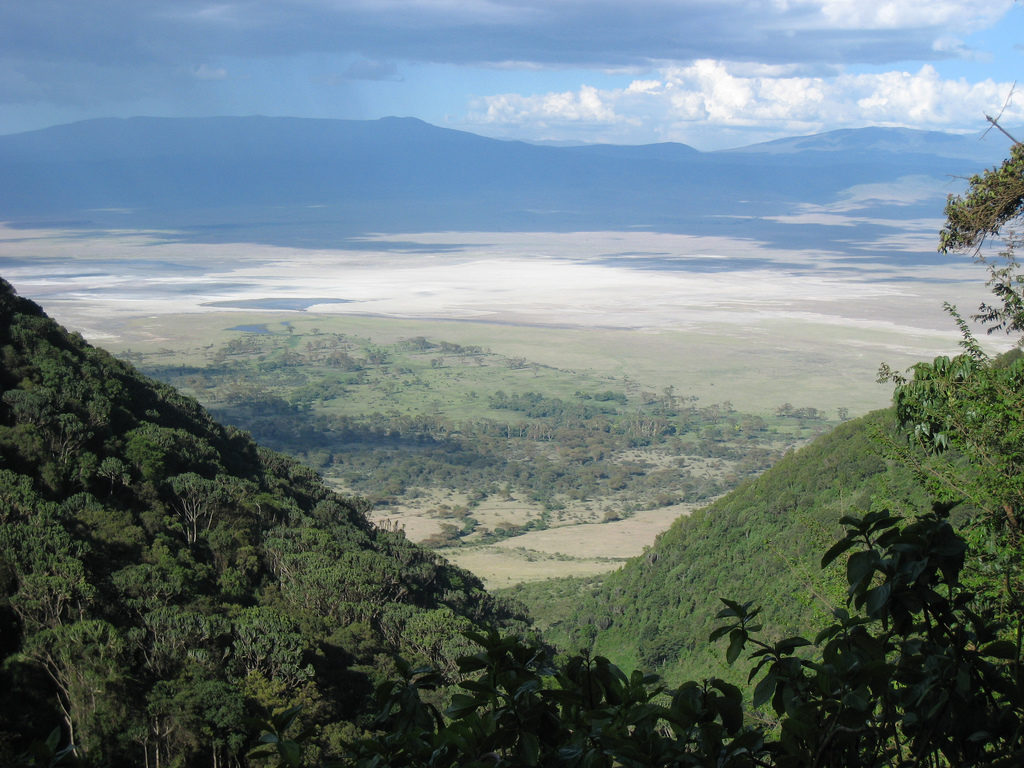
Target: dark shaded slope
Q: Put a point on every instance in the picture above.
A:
(760, 542)
(162, 577)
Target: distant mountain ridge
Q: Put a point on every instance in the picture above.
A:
(875, 139)
(324, 180)
(160, 133)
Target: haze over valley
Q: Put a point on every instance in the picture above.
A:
(809, 251)
(709, 275)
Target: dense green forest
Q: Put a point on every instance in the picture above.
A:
(164, 579)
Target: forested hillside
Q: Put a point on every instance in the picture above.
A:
(163, 579)
(761, 542)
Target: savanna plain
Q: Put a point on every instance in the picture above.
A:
(532, 405)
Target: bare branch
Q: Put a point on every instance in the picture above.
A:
(995, 120)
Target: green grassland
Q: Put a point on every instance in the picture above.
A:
(757, 367)
(477, 445)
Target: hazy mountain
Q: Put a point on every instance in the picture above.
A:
(316, 182)
(886, 141)
(665, 151)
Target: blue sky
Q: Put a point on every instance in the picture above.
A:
(711, 73)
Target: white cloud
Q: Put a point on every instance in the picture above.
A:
(716, 93)
(587, 104)
(644, 86)
(903, 14)
(923, 99)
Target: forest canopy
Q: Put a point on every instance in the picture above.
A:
(164, 580)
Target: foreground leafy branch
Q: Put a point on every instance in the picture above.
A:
(994, 198)
(911, 676)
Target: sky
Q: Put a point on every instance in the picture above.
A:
(709, 73)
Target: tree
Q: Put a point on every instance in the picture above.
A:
(195, 500)
(915, 677)
(85, 661)
(114, 470)
(994, 200)
(993, 205)
(48, 562)
(971, 406)
(907, 675)
(146, 650)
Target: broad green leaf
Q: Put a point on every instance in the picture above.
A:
(764, 689)
(860, 567)
(836, 550)
(790, 644)
(1000, 649)
(529, 745)
(719, 632)
(877, 599)
(737, 640)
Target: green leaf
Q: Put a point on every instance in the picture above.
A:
(285, 719)
(836, 550)
(529, 746)
(728, 690)
(530, 686)
(731, 711)
(719, 632)
(732, 609)
(472, 663)
(764, 689)
(877, 599)
(860, 567)
(856, 701)
(291, 753)
(1000, 649)
(737, 639)
(790, 644)
(461, 706)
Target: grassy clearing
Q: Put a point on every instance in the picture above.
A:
(757, 368)
(500, 567)
(576, 549)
